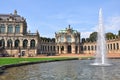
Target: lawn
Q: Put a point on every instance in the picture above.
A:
(6, 61)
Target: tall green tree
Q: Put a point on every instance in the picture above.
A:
(93, 36)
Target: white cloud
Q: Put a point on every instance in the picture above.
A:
(113, 24)
(85, 34)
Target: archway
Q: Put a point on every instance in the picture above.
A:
(9, 43)
(17, 43)
(69, 48)
(25, 43)
(2, 43)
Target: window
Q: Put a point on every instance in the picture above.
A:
(9, 43)
(32, 44)
(117, 46)
(92, 48)
(111, 46)
(85, 48)
(2, 43)
(114, 46)
(17, 43)
(10, 29)
(88, 47)
(2, 28)
(25, 43)
(62, 38)
(68, 38)
(17, 29)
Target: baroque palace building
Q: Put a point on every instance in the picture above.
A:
(14, 37)
(67, 41)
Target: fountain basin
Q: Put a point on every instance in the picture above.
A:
(100, 64)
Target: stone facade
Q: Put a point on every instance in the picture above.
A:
(113, 46)
(67, 41)
(14, 37)
(47, 47)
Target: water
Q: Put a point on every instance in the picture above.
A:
(101, 44)
(66, 70)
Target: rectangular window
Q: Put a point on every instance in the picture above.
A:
(17, 29)
(2, 29)
(68, 38)
(10, 29)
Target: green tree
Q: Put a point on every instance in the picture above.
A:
(110, 35)
(93, 36)
(119, 33)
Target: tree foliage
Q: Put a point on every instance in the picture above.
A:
(93, 36)
(110, 35)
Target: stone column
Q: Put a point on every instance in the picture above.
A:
(56, 49)
(14, 28)
(59, 49)
(73, 48)
(65, 39)
(5, 42)
(21, 43)
(65, 49)
(13, 43)
(28, 43)
(78, 49)
(6, 28)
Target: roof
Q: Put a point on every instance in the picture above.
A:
(7, 17)
(69, 29)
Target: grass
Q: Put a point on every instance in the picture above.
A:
(6, 61)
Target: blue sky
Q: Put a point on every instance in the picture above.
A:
(50, 16)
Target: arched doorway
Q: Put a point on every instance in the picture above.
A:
(17, 42)
(69, 48)
(32, 43)
(62, 49)
(2, 43)
(25, 43)
(76, 49)
(9, 43)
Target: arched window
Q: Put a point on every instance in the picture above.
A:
(85, 48)
(17, 29)
(25, 43)
(9, 43)
(117, 46)
(10, 29)
(54, 48)
(81, 48)
(32, 43)
(92, 48)
(111, 46)
(114, 46)
(108, 46)
(58, 48)
(2, 43)
(51, 48)
(62, 48)
(17, 43)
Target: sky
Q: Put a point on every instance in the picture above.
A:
(50, 16)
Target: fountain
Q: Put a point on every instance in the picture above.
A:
(101, 44)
